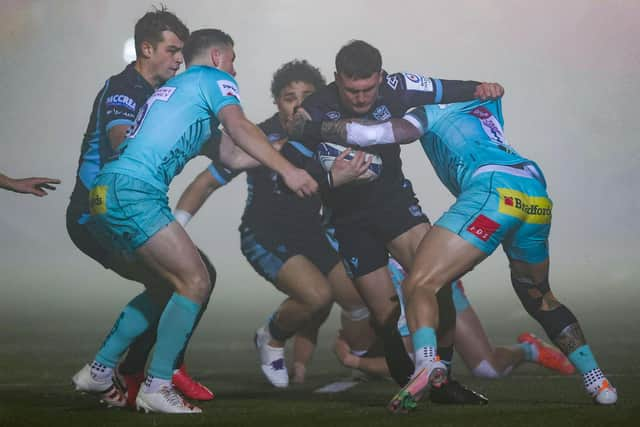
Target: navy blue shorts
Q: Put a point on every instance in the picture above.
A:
(268, 250)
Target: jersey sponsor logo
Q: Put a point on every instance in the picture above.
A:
(491, 126)
(120, 100)
(162, 94)
(333, 115)
(273, 137)
(483, 227)
(98, 200)
(229, 88)
(530, 209)
(415, 210)
(381, 113)
(392, 81)
(417, 82)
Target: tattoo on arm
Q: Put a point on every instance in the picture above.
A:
(570, 339)
(335, 131)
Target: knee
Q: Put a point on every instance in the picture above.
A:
(320, 299)
(423, 281)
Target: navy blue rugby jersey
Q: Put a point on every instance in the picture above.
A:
(397, 94)
(270, 203)
(117, 103)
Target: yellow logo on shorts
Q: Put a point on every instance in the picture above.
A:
(531, 209)
(98, 200)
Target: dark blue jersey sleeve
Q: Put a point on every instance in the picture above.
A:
(413, 90)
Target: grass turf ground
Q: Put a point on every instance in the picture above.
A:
(37, 360)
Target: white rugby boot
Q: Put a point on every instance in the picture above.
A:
(165, 400)
(601, 390)
(87, 380)
(271, 359)
(433, 374)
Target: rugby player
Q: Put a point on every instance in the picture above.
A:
(383, 216)
(501, 198)
(282, 236)
(130, 213)
(470, 341)
(159, 36)
(36, 186)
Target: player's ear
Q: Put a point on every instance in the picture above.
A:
(215, 56)
(146, 48)
(380, 77)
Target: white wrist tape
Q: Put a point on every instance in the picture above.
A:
(182, 217)
(364, 136)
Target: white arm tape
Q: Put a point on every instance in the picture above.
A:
(182, 217)
(364, 136)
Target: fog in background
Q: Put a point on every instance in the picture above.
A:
(570, 70)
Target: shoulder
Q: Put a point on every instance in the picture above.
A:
(273, 128)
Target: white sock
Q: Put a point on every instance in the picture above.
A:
(424, 356)
(100, 371)
(153, 384)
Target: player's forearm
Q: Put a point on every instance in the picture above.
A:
(197, 193)
(6, 182)
(368, 132)
(235, 157)
(458, 91)
(253, 141)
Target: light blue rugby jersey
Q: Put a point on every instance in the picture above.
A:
(461, 137)
(173, 125)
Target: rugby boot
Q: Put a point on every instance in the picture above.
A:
(433, 375)
(86, 381)
(454, 393)
(130, 384)
(190, 388)
(600, 389)
(548, 356)
(271, 360)
(166, 400)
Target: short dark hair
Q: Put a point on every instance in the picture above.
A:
(149, 28)
(296, 71)
(358, 59)
(203, 39)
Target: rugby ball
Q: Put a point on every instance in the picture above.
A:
(327, 153)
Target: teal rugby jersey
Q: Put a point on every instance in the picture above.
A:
(174, 124)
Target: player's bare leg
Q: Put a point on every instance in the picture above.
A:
(441, 258)
(531, 283)
(309, 293)
(172, 254)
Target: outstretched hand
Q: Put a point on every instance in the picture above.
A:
(36, 186)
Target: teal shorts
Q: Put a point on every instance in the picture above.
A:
(126, 212)
(504, 204)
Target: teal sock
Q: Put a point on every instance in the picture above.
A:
(530, 351)
(174, 328)
(133, 321)
(583, 359)
(424, 337)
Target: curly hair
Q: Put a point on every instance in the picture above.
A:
(296, 71)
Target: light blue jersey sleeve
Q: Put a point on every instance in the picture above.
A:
(219, 90)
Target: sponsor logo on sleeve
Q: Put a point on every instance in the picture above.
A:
(417, 82)
(229, 88)
(120, 100)
(333, 115)
(381, 113)
(392, 81)
(530, 209)
(98, 200)
(483, 227)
